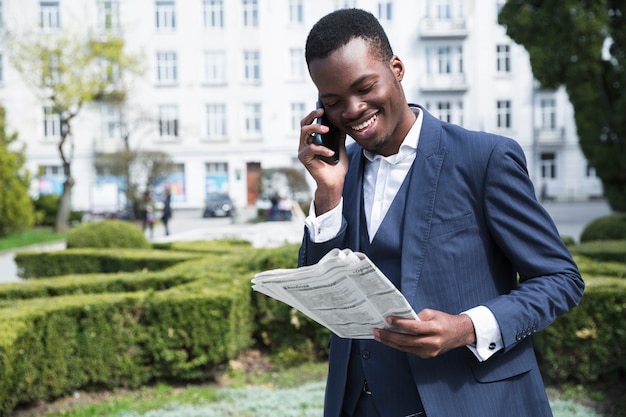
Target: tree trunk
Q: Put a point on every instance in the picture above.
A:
(63, 213)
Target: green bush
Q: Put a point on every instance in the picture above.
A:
(46, 208)
(107, 234)
(611, 227)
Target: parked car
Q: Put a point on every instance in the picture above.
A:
(218, 205)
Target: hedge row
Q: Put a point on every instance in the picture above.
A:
(33, 264)
(56, 337)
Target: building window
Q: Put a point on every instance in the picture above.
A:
(216, 177)
(298, 111)
(165, 15)
(213, 12)
(51, 123)
(503, 114)
(548, 113)
(110, 71)
(503, 58)
(215, 67)
(444, 111)
(590, 172)
(548, 165)
(499, 5)
(216, 121)
(49, 15)
(251, 66)
(108, 15)
(444, 9)
(112, 122)
(444, 65)
(297, 65)
(250, 13)
(296, 11)
(166, 67)
(1, 14)
(384, 10)
(252, 119)
(168, 121)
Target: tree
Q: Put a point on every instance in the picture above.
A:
(66, 72)
(16, 206)
(581, 45)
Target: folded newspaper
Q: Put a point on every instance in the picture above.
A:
(344, 292)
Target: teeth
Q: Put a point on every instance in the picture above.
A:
(364, 124)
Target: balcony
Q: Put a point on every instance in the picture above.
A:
(430, 83)
(433, 28)
(549, 136)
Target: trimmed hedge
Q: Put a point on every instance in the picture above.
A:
(180, 329)
(32, 264)
(587, 344)
(604, 251)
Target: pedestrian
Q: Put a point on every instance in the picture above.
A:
(167, 211)
(148, 213)
(451, 217)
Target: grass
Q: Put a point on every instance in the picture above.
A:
(30, 237)
(247, 389)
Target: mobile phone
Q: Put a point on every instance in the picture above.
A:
(330, 139)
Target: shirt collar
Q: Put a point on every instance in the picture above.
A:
(409, 143)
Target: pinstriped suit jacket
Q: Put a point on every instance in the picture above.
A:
(472, 224)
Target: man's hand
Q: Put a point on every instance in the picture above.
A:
(434, 333)
(329, 178)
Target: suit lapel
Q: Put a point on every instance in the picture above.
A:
(421, 193)
(352, 195)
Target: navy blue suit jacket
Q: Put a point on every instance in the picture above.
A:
(472, 225)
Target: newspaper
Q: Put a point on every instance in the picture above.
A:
(344, 292)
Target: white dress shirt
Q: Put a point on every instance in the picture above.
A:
(382, 178)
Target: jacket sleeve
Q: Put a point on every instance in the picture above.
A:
(549, 281)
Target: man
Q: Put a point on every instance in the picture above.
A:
(450, 216)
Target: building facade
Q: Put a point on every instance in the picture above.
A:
(226, 86)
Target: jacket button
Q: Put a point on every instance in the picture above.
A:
(366, 354)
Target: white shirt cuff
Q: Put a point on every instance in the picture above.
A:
(488, 335)
(326, 226)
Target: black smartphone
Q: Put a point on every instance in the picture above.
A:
(330, 139)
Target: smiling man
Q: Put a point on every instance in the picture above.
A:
(450, 216)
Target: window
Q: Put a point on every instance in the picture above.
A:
(215, 67)
(444, 10)
(252, 119)
(216, 177)
(112, 122)
(503, 114)
(50, 179)
(251, 66)
(297, 67)
(296, 11)
(168, 121)
(108, 15)
(503, 58)
(384, 10)
(213, 13)
(298, 111)
(166, 67)
(548, 113)
(1, 14)
(444, 111)
(548, 165)
(51, 123)
(590, 172)
(165, 15)
(216, 121)
(499, 5)
(49, 15)
(110, 71)
(250, 13)
(444, 65)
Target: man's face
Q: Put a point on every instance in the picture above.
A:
(363, 97)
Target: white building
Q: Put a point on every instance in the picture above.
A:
(226, 86)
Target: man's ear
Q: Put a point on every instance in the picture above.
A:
(397, 66)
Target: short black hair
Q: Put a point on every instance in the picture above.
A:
(338, 28)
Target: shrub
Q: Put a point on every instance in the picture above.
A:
(611, 227)
(46, 207)
(602, 251)
(107, 234)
